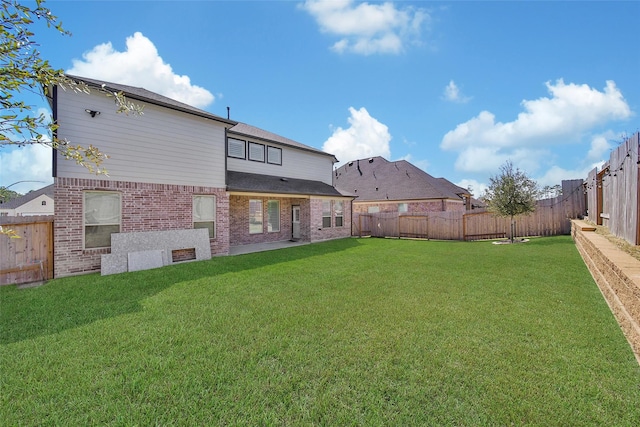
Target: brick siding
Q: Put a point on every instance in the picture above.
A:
(239, 220)
(318, 233)
(145, 207)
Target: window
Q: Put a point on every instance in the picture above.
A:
(373, 209)
(44, 203)
(102, 216)
(337, 209)
(255, 216)
(273, 216)
(326, 213)
(235, 148)
(256, 152)
(274, 155)
(204, 213)
(403, 207)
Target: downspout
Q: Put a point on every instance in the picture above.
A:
(54, 111)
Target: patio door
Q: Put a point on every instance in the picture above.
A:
(295, 222)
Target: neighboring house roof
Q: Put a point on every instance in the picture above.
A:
(19, 201)
(255, 183)
(376, 179)
(452, 187)
(146, 96)
(243, 129)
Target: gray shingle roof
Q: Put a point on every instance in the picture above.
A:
(378, 179)
(19, 201)
(250, 182)
(243, 129)
(146, 96)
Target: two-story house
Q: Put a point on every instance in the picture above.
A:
(177, 167)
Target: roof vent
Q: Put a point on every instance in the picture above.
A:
(284, 179)
(371, 160)
(350, 163)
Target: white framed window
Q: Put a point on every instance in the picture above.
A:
(273, 216)
(274, 155)
(373, 209)
(403, 207)
(102, 215)
(204, 213)
(326, 213)
(236, 148)
(338, 213)
(256, 152)
(255, 216)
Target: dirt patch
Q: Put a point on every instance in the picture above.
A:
(509, 242)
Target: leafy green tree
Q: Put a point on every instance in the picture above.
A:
(22, 70)
(6, 195)
(511, 193)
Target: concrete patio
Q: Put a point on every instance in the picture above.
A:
(261, 247)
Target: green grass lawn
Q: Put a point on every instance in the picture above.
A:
(348, 332)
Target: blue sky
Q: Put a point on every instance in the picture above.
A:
(456, 88)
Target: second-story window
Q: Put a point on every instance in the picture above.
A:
(274, 155)
(236, 148)
(256, 152)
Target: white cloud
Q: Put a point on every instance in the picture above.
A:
(140, 65)
(452, 93)
(28, 163)
(483, 143)
(367, 28)
(555, 175)
(600, 147)
(365, 137)
(477, 188)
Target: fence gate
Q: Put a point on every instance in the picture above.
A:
(28, 258)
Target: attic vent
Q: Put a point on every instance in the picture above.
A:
(284, 179)
(371, 160)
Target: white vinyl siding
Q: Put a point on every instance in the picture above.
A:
(204, 213)
(255, 216)
(296, 163)
(161, 146)
(102, 217)
(236, 148)
(273, 216)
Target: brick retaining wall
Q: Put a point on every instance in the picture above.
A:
(617, 274)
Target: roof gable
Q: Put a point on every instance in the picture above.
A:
(146, 96)
(376, 178)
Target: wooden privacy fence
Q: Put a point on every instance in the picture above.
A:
(613, 192)
(30, 257)
(551, 217)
